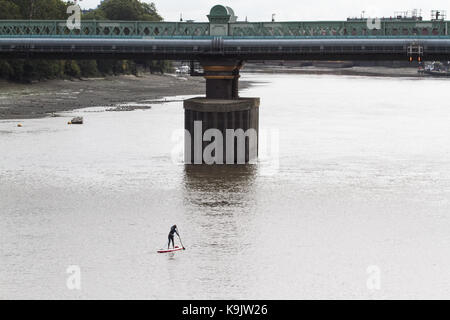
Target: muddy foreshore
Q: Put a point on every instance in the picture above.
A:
(21, 101)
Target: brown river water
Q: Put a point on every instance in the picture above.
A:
(358, 180)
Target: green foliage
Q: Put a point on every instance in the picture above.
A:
(46, 69)
(5, 69)
(115, 67)
(129, 10)
(72, 69)
(88, 68)
(159, 66)
(93, 15)
(17, 68)
(23, 70)
(9, 10)
(42, 9)
(106, 67)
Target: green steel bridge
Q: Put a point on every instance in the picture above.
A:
(224, 37)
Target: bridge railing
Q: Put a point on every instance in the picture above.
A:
(340, 28)
(115, 29)
(139, 29)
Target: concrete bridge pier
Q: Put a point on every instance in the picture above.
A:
(221, 128)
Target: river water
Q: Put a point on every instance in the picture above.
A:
(353, 202)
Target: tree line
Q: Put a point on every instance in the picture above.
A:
(24, 70)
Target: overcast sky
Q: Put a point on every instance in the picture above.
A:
(285, 10)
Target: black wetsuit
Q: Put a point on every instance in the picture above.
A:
(173, 230)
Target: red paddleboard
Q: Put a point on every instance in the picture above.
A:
(177, 248)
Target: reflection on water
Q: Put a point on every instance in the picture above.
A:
(219, 176)
(362, 179)
(219, 186)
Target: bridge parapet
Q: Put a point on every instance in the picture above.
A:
(338, 29)
(223, 22)
(109, 29)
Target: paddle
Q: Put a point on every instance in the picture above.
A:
(181, 243)
(180, 240)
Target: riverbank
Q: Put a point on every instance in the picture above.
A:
(22, 101)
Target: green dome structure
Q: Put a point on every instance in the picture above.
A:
(221, 14)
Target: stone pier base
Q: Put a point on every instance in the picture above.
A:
(221, 131)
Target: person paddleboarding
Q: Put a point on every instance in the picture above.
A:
(173, 230)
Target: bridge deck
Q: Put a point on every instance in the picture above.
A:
(241, 49)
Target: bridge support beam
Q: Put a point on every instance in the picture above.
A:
(221, 128)
(222, 78)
